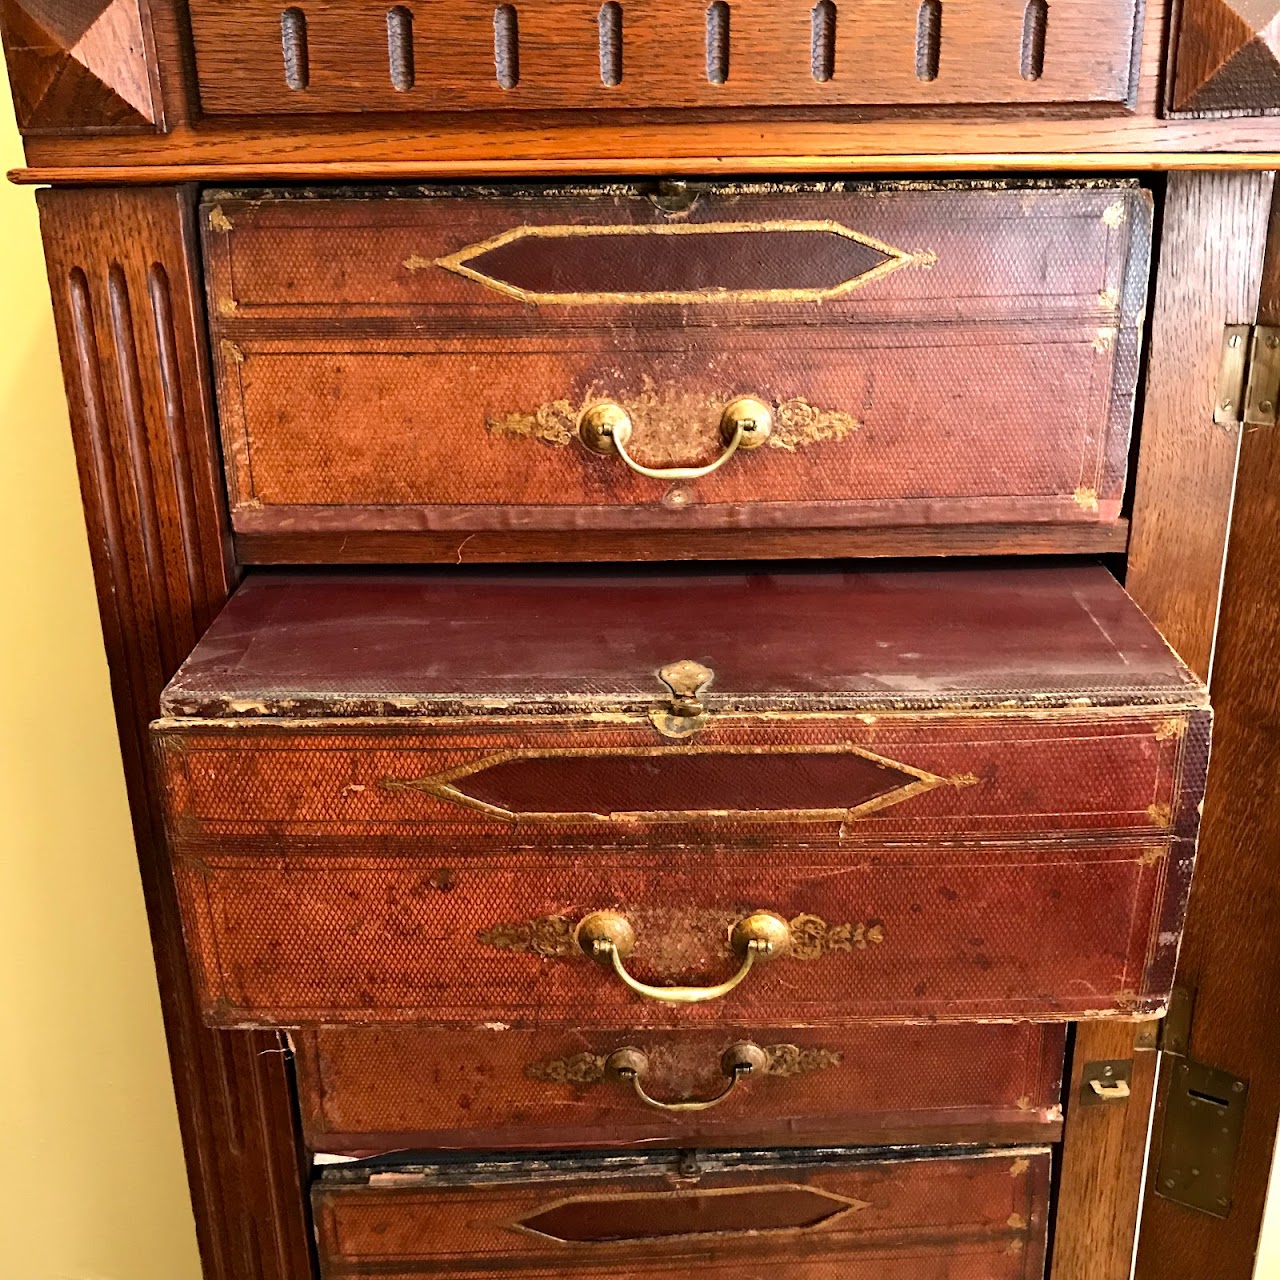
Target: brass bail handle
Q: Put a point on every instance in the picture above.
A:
(745, 424)
(738, 1062)
(608, 938)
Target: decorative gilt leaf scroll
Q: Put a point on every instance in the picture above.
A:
(669, 411)
(552, 937)
(589, 1068)
(787, 260)
(678, 784)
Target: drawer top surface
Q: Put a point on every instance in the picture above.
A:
(331, 644)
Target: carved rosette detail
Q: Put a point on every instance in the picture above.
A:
(780, 1060)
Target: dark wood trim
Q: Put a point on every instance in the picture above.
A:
(1210, 267)
(124, 274)
(1096, 1210)
(712, 544)
(1229, 955)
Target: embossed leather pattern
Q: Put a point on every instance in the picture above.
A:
(333, 867)
(364, 1090)
(955, 355)
(831, 1216)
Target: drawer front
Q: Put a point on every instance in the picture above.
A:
(284, 935)
(351, 55)
(979, 1216)
(367, 1090)
(922, 357)
(746, 779)
(334, 876)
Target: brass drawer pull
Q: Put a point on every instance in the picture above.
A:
(739, 1060)
(745, 424)
(607, 936)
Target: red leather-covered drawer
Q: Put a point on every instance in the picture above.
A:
(954, 355)
(832, 1215)
(955, 795)
(374, 1089)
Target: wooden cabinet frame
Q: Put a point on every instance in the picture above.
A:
(1204, 561)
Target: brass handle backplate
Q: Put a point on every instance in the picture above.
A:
(745, 424)
(739, 1060)
(608, 938)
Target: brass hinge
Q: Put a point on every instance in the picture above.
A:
(1203, 1120)
(1248, 376)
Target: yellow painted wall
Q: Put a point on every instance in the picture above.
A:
(92, 1185)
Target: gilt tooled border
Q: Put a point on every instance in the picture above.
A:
(844, 1206)
(441, 785)
(894, 259)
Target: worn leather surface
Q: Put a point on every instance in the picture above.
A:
(390, 798)
(981, 367)
(365, 643)
(363, 1090)
(851, 1216)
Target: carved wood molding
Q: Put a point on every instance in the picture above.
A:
(123, 274)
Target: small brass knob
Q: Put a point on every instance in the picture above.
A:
(753, 416)
(605, 426)
(763, 933)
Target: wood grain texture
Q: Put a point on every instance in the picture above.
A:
(1225, 58)
(394, 1089)
(1228, 958)
(1096, 1209)
(833, 1215)
(80, 67)
(487, 145)
(1210, 266)
(936, 356)
(1211, 259)
(766, 57)
(130, 327)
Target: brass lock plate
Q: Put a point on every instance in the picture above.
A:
(1203, 1121)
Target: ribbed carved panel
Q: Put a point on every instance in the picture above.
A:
(130, 327)
(257, 56)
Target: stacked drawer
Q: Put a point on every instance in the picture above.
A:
(683, 860)
(457, 374)
(639, 920)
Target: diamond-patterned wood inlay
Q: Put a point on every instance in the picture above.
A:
(1228, 57)
(77, 64)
